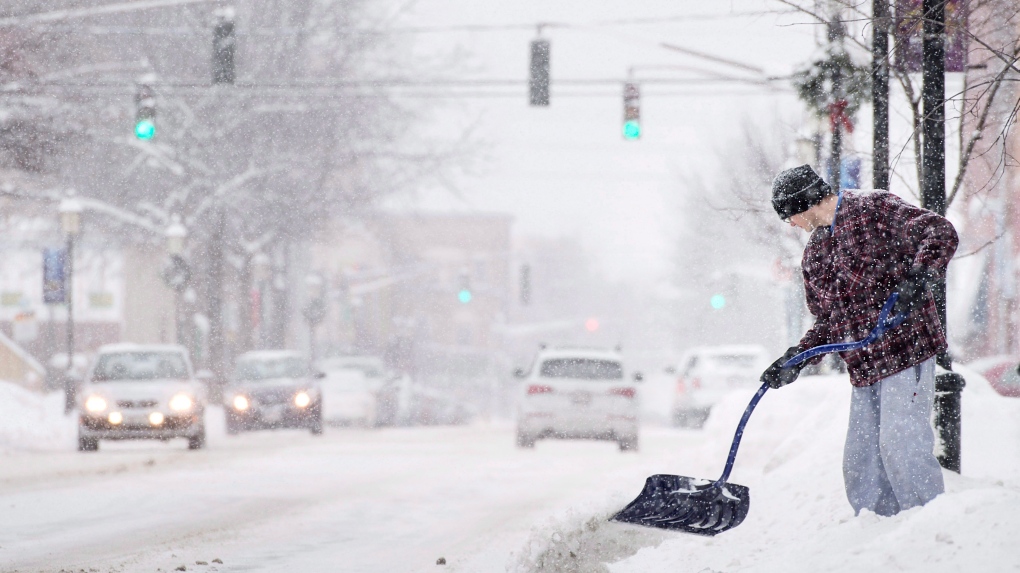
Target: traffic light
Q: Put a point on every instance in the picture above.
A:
(223, 46)
(631, 112)
(464, 294)
(525, 286)
(538, 83)
(717, 301)
(145, 112)
(591, 325)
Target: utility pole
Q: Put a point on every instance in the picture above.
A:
(222, 73)
(949, 385)
(880, 93)
(216, 334)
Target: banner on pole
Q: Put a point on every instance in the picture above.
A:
(54, 276)
(909, 37)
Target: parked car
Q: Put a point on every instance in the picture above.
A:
(1001, 372)
(134, 391)
(348, 397)
(363, 390)
(707, 373)
(574, 393)
(273, 389)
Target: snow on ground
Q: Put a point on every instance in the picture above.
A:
(399, 499)
(800, 520)
(32, 421)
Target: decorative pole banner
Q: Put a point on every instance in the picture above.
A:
(909, 38)
(54, 276)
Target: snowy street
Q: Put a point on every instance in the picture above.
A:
(351, 500)
(398, 499)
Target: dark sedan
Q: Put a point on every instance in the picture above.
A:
(273, 389)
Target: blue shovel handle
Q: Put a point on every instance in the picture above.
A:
(884, 324)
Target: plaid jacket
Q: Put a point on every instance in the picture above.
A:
(849, 274)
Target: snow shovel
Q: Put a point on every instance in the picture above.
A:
(705, 507)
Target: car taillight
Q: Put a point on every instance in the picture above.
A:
(696, 383)
(535, 389)
(681, 386)
(625, 392)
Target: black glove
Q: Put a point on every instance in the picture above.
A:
(776, 376)
(913, 290)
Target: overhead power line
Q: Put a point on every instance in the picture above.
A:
(383, 83)
(102, 10)
(711, 58)
(290, 31)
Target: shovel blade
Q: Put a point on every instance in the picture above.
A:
(686, 504)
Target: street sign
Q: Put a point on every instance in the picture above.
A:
(176, 273)
(909, 36)
(25, 327)
(54, 276)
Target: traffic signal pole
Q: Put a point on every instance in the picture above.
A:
(948, 385)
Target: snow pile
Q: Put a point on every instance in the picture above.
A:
(581, 542)
(800, 520)
(33, 421)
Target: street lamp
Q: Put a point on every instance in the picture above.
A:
(176, 273)
(315, 311)
(70, 222)
(176, 234)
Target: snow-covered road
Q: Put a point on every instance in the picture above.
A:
(396, 500)
(351, 500)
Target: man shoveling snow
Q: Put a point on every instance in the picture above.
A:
(863, 247)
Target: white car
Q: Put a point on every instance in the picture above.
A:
(348, 397)
(578, 394)
(133, 392)
(707, 373)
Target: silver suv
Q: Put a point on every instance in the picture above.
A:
(141, 392)
(576, 393)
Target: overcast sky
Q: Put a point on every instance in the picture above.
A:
(565, 169)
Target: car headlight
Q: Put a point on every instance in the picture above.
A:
(156, 418)
(241, 403)
(95, 404)
(181, 402)
(116, 418)
(302, 399)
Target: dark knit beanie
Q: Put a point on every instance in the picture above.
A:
(796, 190)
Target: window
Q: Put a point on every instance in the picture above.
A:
(583, 368)
(140, 366)
(255, 369)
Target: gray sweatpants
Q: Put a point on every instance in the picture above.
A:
(888, 461)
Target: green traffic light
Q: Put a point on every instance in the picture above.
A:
(718, 301)
(464, 296)
(631, 129)
(145, 129)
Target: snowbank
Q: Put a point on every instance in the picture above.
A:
(800, 521)
(32, 421)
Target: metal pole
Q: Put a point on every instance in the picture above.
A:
(216, 327)
(178, 327)
(933, 197)
(836, 149)
(69, 383)
(880, 92)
